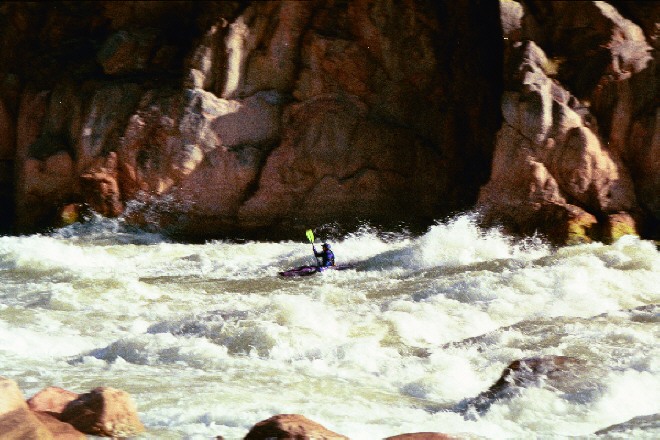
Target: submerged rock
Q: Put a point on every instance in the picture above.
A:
(523, 373)
(635, 426)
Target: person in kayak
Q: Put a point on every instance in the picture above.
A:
(326, 255)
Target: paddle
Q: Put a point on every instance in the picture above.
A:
(310, 237)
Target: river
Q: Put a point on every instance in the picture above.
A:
(208, 340)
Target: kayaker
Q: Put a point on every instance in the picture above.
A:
(328, 258)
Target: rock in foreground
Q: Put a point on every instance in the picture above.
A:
(291, 427)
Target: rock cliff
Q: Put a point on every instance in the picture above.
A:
(261, 119)
(578, 154)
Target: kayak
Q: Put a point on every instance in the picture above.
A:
(304, 271)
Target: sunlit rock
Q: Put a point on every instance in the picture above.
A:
(104, 411)
(291, 426)
(18, 422)
(612, 70)
(422, 436)
(618, 225)
(552, 153)
(51, 400)
(23, 424)
(11, 397)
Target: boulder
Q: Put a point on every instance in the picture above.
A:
(11, 397)
(104, 411)
(421, 436)
(290, 427)
(52, 400)
(17, 422)
(58, 429)
(21, 424)
(619, 224)
(69, 214)
(637, 426)
(530, 371)
(522, 373)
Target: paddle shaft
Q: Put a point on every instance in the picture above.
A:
(310, 237)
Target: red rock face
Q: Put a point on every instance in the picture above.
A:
(264, 118)
(583, 146)
(255, 116)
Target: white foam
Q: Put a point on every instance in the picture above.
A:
(370, 352)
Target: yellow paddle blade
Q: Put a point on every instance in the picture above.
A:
(310, 235)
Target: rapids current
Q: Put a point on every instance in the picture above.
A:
(208, 340)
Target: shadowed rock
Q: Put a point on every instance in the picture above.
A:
(254, 117)
(523, 373)
(635, 426)
(105, 412)
(59, 430)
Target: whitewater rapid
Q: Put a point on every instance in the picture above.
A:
(208, 340)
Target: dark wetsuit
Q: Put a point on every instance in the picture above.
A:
(328, 258)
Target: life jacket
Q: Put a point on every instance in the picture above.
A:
(328, 258)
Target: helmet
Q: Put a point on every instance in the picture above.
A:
(326, 246)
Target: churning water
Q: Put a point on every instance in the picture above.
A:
(208, 340)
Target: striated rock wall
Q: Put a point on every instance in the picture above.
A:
(261, 119)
